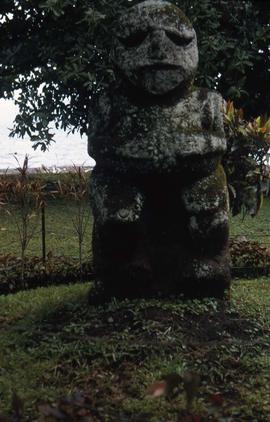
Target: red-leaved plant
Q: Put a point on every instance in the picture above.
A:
(77, 190)
(22, 200)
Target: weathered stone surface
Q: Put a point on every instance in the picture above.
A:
(149, 43)
(159, 191)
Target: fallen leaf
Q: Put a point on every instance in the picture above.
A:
(216, 399)
(157, 389)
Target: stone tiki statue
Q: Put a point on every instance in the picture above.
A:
(159, 194)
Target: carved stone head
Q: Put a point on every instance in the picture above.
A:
(155, 47)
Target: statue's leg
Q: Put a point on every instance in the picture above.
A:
(207, 272)
(119, 250)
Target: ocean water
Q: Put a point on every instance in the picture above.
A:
(66, 151)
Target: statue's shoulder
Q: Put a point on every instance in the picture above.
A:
(110, 100)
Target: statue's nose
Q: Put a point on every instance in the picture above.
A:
(157, 46)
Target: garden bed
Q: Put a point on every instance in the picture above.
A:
(37, 273)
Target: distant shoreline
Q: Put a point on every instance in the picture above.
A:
(44, 170)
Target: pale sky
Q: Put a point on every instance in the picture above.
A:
(66, 151)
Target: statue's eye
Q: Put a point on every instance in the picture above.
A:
(134, 40)
(178, 39)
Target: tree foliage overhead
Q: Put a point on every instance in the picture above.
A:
(55, 56)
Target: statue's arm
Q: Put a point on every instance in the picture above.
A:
(218, 115)
(98, 124)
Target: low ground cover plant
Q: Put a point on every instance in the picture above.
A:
(249, 258)
(57, 270)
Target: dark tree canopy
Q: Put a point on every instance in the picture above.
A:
(55, 56)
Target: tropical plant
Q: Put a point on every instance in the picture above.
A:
(245, 162)
(77, 190)
(22, 201)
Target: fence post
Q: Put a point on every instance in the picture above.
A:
(43, 233)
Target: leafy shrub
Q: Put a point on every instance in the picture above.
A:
(58, 270)
(249, 258)
(248, 143)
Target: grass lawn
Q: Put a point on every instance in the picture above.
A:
(53, 343)
(256, 228)
(60, 235)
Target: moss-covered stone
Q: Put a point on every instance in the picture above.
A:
(159, 187)
(155, 47)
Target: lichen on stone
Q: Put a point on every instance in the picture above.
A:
(159, 193)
